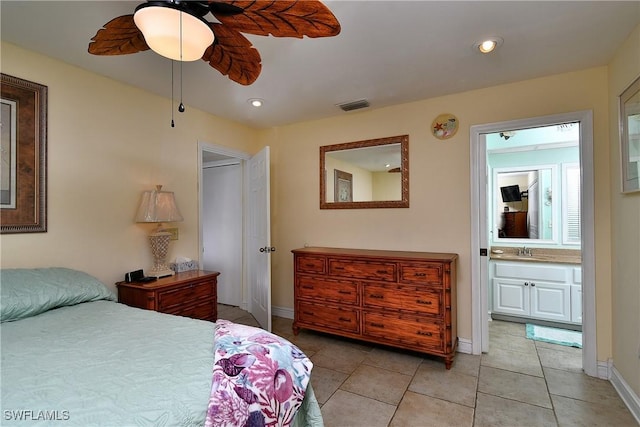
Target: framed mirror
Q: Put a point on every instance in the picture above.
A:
(365, 174)
(630, 137)
(525, 209)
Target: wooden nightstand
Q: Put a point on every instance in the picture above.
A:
(190, 294)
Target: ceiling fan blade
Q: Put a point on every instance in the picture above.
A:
(233, 55)
(120, 36)
(279, 18)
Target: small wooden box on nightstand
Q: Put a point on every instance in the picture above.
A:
(190, 294)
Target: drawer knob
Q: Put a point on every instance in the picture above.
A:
(339, 268)
(421, 274)
(307, 287)
(344, 292)
(308, 313)
(425, 334)
(382, 272)
(423, 302)
(344, 319)
(309, 265)
(377, 325)
(377, 296)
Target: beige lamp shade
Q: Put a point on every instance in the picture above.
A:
(173, 33)
(158, 206)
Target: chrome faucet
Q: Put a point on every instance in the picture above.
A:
(524, 251)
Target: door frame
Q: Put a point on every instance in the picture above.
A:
(479, 235)
(242, 157)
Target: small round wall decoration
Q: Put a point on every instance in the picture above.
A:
(444, 126)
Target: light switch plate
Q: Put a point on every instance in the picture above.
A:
(173, 231)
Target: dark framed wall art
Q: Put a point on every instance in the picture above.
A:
(343, 183)
(23, 168)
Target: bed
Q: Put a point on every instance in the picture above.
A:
(71, 355)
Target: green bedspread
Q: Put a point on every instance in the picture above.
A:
(102, 363)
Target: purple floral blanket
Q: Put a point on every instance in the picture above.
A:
(259, 379)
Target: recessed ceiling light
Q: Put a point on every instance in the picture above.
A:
(256, 102)
(488, 45)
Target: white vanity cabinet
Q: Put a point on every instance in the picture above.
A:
(537, 290)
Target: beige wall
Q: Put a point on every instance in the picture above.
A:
(439, 218)
(625, 228)
(107, 143)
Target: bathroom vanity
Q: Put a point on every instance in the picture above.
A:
(545, 286)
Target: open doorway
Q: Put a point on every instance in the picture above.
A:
(222, 224)
(234, 226)
(533, 200)
(488, 224)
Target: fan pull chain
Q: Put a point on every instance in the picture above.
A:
(181, 106)
(172, 123)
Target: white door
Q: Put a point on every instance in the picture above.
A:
(222, 229)
(258, 248)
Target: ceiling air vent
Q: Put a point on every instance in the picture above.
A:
(354, 105)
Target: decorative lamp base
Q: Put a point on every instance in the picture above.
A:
(159, 242)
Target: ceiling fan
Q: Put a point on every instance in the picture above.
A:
(221, 43)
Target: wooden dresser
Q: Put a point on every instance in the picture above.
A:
(514, 224)
(190, 294)
(401, 299)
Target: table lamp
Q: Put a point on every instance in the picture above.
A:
(158, 206)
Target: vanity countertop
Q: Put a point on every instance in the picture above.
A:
(560, 256)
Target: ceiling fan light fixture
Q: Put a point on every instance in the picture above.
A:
(160, 24)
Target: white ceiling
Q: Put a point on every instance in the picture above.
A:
(389, 52)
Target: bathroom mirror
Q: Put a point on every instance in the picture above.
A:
(524, 205)
(365, 174)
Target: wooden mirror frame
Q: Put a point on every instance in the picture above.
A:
(403, 140)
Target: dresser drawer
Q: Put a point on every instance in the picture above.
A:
(311, 264)
(425, 273)
(405, 330)
(401, 297)
(340, 319)
(185, 295)
(380, 271)
(342, 291)
(204, 311)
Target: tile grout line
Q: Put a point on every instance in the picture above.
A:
(546, 384)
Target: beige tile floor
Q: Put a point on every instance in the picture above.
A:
(520, 382)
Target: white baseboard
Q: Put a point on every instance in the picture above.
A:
(603, 369)
(626, 393)
(465, 346)
(285, 312)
